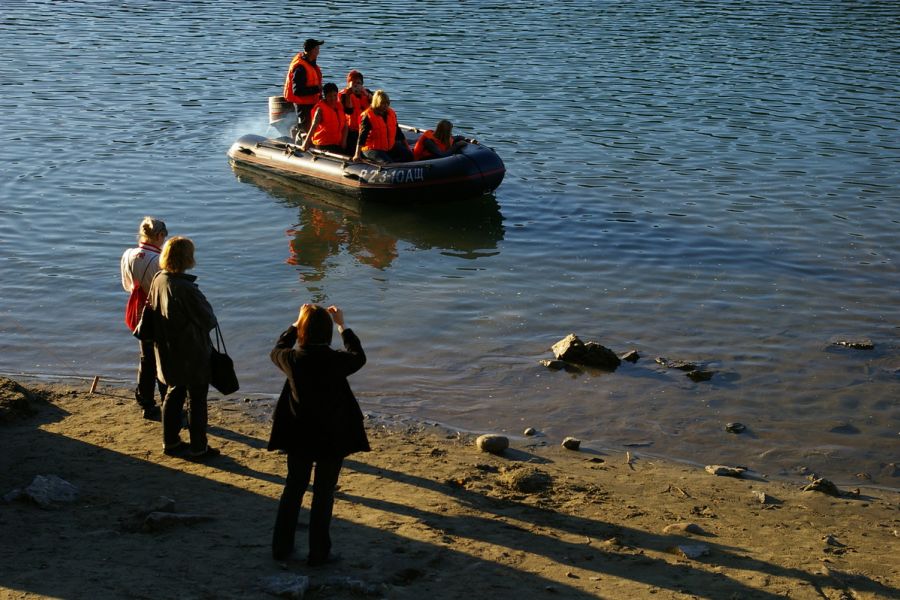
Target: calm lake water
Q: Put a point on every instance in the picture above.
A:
(708, 181)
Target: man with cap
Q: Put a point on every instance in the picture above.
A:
(303, 82)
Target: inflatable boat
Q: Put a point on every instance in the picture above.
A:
(473, 171)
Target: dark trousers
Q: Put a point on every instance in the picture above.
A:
(146, 377)
(299, 471)
(304, 120)
(172, 411)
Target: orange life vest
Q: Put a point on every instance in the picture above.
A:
(360, 103)
(420, 152)
(313, 77)
(382, 132)
(331, 125)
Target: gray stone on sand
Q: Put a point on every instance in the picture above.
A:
(530, 431)
(287, 585)
(493, 443)
(49, 491)
(571, 443)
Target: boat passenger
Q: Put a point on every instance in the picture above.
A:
(303, 84)
(328, 130)
(380, 137)
(439, 142)
(355, 98)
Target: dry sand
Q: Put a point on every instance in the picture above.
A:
(425, 515)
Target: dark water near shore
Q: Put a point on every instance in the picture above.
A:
(712, 181)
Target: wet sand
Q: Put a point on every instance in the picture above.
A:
(424, 515)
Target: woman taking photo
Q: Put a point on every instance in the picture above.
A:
(138, 266)
(317, 421)
(181, 341)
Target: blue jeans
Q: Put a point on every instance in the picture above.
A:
(300, 468)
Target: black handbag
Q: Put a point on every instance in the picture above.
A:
(145, 330)
(221, 367)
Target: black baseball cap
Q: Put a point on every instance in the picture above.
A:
(311, 43)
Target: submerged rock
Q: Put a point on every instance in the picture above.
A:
(681, 365)
(735, 427)
(700, 375)
(592, 354)
(855, 343)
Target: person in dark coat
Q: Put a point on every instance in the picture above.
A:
(182, 348)
(317, 421)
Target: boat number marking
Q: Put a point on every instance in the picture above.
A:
(393, 175)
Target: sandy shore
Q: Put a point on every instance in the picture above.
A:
(425, 515)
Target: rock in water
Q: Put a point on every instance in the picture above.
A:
(592, 354)
(735, 427)
(495, 444)
(571, 443)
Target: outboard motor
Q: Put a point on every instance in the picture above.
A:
(282, 116)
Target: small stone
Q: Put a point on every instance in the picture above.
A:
(821, 484)
(691, 550)
(724, 471)
(530, 431)
(832, 541)
(735, 427)
(556, 365)
(631, 356)
(762, 497)
(682, 528)
(495, 444)
(159, 521)
(571, 443)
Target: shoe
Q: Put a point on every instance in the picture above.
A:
(152, 413)
(205, 454)
(178, 449)
(321, 561)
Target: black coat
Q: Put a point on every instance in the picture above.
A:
(317, 413)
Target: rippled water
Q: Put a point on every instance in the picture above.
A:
(712, 181)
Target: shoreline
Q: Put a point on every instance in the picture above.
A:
(263, 413)
(424, 514)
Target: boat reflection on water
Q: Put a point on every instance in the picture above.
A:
(331, 223)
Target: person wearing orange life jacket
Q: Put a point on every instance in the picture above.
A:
(328, 130)
(355, 98)
(438, 142)
(380, 137)
(303, 83)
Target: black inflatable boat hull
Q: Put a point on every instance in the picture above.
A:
(474, 171)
